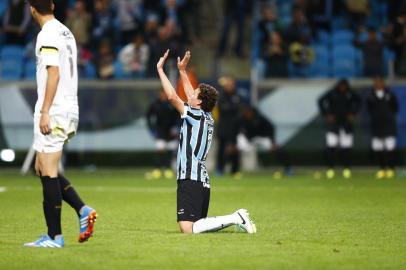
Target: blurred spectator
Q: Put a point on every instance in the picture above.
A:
(339, 107)
(151, 28)
(162, 121)
(382, 107)
(398, 41)
(61, 9)
(256, 129)
(79, 22)
(319, 13)
(103, 22)
(167, 38)
(130, 15)
(134, 57)
(16, 21)
(301, 55)
(276, 57)
(192, 18)
(372, 50)
(268, 24)
(359, 10)
(229, 108)
(172, 11)
(298, 28)
(104, 61)
(234, 12)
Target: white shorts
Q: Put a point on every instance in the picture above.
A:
(385, 143)
(63, 128)
(341, 139)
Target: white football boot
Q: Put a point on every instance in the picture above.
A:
(246, 222)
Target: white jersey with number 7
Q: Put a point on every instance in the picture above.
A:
(56, 46)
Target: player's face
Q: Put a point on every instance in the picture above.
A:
(193, 100)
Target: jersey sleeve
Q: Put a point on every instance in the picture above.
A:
(191, 114)
(49, 49)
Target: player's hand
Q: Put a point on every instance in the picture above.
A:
(45, 124)
(161, 62)
(183, 64)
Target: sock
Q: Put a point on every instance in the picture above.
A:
(212, 224)
(331, 157)
(52, 204)
(345, 157)
(70, 195)
(392, 159)
(381, 159)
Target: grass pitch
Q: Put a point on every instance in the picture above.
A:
(303, 223)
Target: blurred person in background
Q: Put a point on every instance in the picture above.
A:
(174, 11)
(397, 32)
(229, 106)
(299, 28)
(339, 107)
(104, 61)
(235, 11)
(372, 50)
(162, 121)
(134, 57)
(359, 10)
(15, 22)
(256, 130)
(276, 57)
(301, 56)
(80, 21)
(131, 16)
(103, 23)
(382, 107)
(268, 24)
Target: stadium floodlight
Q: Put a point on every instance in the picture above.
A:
(7, 155)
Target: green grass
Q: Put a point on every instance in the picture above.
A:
(303, 223)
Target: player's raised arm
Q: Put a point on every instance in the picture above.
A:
(170, 92)
(182, 64)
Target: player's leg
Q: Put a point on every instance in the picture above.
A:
(377, 146)
(346, 140)
(390, 146)
(331, 149)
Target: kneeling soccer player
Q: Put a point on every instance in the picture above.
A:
(55, 121)
(196, 133)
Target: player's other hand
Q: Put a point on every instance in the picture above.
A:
(162, 60)
(183, 64)
(45, 124)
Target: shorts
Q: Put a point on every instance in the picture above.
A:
(192, 200)
(63, 128)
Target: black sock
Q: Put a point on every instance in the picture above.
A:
(392, 159)
(381, 159)
(52, 205)
(70, 195)
(331, 157)
(345, 157)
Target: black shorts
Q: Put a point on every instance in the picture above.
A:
(192, 200)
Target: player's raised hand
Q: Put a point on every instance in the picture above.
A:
(183, 64)
(162, 60)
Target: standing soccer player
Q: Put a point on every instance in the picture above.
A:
(56, 119)
(193, 194)
(383, 107)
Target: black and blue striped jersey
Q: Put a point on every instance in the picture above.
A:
(195, 140)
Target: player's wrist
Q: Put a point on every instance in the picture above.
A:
(44, 112)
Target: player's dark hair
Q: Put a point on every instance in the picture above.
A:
(209, 96)
(43, 7)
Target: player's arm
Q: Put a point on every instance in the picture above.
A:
(170, 92)
(50, 91)
(187, 86)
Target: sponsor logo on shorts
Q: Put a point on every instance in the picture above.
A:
(181, 211)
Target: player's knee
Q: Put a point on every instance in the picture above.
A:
(186, 228)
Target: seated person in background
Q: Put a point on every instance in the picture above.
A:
(298, 27)
(382, 108)
(80, 21)
(256, 129)
(104, 61)
(372, 50)
(276, 57)
(162, 121)
(301, 55)
(134, 57)
(339, 107)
